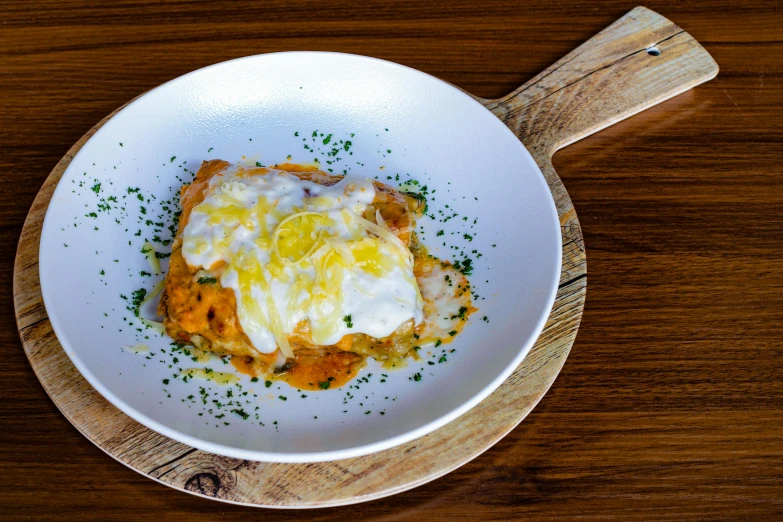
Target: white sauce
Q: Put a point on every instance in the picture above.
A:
(442, 301)
(236, 224)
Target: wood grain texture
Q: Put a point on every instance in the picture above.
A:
(669, 406)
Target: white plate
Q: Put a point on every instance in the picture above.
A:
(253, 107)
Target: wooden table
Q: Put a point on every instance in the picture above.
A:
(670, 405)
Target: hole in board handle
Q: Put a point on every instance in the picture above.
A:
(653, 51)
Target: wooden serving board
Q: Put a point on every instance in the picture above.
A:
(639, 61)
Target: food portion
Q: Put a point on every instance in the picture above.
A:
(301, 275)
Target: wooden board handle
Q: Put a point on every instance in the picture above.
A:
(640, 60)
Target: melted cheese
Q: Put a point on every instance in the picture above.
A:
(293, 250)
(447, 301)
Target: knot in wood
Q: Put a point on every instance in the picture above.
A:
(207, 484)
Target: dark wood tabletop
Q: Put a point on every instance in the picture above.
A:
(670, 405)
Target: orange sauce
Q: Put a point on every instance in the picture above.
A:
(309, 370)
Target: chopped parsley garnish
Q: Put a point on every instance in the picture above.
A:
(438, 343)
(282, 397)
(254, 379)
(173, 158)
(241, 413)
(453, 333)
(268, 384)
(324, 385)
(96, 188)
(348, 322)
(417, 376)
(138, 298)
(461, 313)
(207, 280)
(466, 267)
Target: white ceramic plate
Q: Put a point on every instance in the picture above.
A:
(400, 122)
